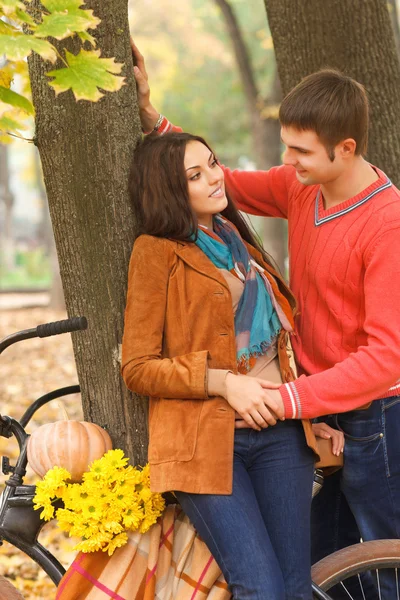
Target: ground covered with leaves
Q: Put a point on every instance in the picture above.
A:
(28, 370)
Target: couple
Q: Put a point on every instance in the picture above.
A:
(207, 329)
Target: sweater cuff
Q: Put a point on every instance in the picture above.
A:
(292, 400)
(162, 127)
(216, 382)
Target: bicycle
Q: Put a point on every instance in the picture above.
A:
(20, 524)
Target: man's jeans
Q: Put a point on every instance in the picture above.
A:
(363, 499)
(260, 534)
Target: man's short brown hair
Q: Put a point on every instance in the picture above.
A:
(333, 105)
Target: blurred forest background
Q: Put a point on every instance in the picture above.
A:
(212, 70)
(201, 86)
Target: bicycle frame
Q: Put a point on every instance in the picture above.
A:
(20, 524)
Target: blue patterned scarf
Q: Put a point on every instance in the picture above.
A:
(257, 323)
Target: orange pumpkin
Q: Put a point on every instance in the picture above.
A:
(69, 444)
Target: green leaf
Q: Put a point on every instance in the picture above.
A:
(9, 6)
(18, 47)
(63, 24)
(62, 5)
(9, 97)
(15, 10)
(86, 73)
(9, 124)
(86, 37)
(7, 28)
(24, 17)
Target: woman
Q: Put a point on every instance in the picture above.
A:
(206, 329)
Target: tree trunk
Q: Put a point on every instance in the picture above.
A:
(355, 36)
(265, 130)
(85, 149)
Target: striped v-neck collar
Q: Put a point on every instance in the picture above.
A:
(323, 216)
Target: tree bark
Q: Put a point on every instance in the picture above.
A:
(356, 37)
(85, 149)
(265, 130)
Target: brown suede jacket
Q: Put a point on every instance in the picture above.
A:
(178, 323)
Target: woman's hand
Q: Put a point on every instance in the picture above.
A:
(249, 399)
(322, 430)
(148, 114)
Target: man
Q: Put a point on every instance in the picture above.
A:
(344, 244)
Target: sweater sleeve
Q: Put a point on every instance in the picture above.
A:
(143, 368)
(262, 193)
(373, 369)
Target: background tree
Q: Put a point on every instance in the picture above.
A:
(7, 200)
(85, 150)
(264, 125)
(311, 35)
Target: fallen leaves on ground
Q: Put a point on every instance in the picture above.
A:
(28, 370)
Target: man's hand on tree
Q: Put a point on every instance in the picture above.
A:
(148, 114)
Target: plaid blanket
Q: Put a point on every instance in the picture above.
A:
(169, 562)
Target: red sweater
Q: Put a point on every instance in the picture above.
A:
(345, 274)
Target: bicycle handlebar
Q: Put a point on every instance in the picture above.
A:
(45, 330)
(65, 326)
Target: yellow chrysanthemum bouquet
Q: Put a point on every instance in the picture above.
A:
(112, 498)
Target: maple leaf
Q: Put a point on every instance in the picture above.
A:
(85, 74)
(9, 97)
(18, 47)
(62, 5)
(10, 123)
(5, 78)
(63, 24)
(15, 9)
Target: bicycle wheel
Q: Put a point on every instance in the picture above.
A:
(376, 562)
(8, 591)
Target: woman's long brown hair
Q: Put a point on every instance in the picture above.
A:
(158, 189)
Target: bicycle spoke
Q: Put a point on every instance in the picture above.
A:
(397, 584)
(379, 584)
(361, 586)
(346, 590)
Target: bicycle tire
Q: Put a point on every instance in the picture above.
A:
(8, 591)
(355, 560)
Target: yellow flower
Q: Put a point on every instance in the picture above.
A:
(117, 541)
(145, 494)
(112, 498)
(132, 519)
(47, 512)
(91, 509)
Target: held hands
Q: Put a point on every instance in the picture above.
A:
(257, 407)
(148, 114)
(322, 430)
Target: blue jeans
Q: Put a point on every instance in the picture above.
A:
(260, 534)
(363, 499)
